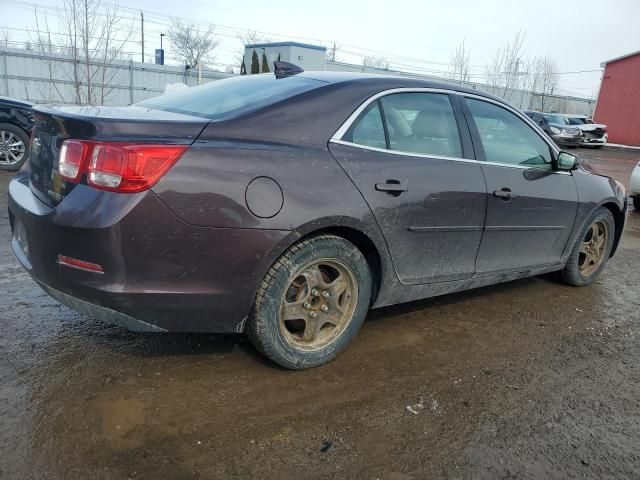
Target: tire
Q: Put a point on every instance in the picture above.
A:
(17, 136)
(575, 271)
(636, 203)
(297, 284)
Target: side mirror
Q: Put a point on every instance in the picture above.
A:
(566, 161)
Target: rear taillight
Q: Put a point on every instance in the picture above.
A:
(115, 166)
(72, 154)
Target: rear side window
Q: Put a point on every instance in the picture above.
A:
(506, 138)
(368, 129)
(422, 123)
(231, 97)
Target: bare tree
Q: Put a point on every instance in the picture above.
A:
(250, 37)
(192, 44)
(548, 78)
(460, 63)
(504, 72)
(376, 62)
(332, 53)
(93, 37)
(5, 38)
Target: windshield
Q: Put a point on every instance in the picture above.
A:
(577, 121)
(557, 119)
(231, 97)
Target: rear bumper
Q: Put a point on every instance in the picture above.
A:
(160, 274)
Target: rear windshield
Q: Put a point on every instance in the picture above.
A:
(577, 120)
(231, 97)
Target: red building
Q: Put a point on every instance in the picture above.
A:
(618, 104)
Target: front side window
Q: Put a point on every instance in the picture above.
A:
(506, 138)
(368, 129)
(422, 123)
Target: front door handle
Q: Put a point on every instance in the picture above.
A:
(392, 187)
(505, 194)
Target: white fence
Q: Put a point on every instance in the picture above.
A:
(522, 99)
(40, 78)
(49, 78)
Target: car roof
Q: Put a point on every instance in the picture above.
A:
(390, 81)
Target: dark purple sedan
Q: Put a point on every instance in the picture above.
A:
(286, 206)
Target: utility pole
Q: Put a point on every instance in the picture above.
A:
(142, 30)
(333, 54)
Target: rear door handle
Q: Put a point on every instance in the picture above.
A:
(504, 193)
(392, 187)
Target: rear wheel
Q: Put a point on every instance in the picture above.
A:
(311, 303)
(591, 252)
(14, 147)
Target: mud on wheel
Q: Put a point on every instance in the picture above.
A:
(592, 249)
(311, 303)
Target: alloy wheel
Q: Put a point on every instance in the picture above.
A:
(318, 304)
(592, 248)
(12, 148)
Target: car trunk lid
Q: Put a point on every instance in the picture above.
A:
(53, 125)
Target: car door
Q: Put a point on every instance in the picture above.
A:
(531, 208)
(411, 159)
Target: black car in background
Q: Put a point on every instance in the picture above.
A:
(16, 122)
(558, 128)
(288, 206)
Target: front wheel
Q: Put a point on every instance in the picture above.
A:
(592, 249)
(311, 303)
(636, 203)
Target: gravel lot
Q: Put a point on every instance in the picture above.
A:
(531, 379)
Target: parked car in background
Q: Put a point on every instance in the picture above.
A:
(286, 206)
(558, 128)
(595, 134)
(16, 122)
(634, 189)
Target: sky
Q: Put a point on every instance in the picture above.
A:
(417, 36)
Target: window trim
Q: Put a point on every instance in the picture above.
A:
(342, 130)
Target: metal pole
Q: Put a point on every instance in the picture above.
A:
(131, 81)
(5, 73)
(142, 30)
(199, 73)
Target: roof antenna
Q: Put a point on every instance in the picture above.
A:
(286, 69)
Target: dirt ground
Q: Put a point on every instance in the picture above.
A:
(531, 379)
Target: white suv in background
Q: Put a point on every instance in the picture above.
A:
(634, 188)
(595, 134)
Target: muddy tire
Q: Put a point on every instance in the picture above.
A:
(311, 303)
(636, 203)
(14, 147)
(592, 249)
